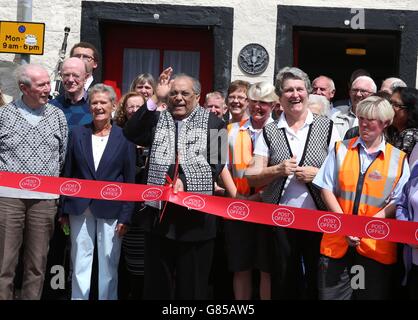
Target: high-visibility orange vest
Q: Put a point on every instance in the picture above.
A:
(364, 198)
(240, 155)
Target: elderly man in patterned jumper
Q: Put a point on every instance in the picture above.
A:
(33, 137)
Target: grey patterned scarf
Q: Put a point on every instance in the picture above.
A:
(192, 151)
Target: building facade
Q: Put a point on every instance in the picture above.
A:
(223, 40)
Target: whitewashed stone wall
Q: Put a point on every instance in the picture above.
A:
(254, 21)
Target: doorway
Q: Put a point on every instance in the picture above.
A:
(130, 50)
(337, 53)
(390, 36)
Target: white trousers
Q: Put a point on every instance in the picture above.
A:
(84, 229)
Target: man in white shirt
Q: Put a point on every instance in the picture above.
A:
(89, 54)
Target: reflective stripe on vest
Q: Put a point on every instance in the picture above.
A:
(379, 180)
(240, 155)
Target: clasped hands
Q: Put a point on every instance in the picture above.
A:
(304, 174)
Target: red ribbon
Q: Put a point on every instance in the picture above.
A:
(229, 208)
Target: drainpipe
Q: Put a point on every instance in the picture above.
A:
(24, 13)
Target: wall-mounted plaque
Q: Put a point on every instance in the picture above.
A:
(253, 59)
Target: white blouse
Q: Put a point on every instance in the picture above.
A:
(99, 145)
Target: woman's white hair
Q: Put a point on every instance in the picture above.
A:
(375, 107)
(321, 101)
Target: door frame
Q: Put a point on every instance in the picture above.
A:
(155, 37)
(403, 21)
(94, 14)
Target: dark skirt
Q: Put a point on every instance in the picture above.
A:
(248, 246)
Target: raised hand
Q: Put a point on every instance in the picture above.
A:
(164, 83)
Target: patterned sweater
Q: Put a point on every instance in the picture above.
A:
(25, 148)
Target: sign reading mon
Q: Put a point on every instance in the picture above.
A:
(22, 37)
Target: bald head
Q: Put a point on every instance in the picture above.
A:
(324, 86)
(391, 83)
(74, 75)
(74, 63)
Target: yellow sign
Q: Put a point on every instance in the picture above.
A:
(22, 37)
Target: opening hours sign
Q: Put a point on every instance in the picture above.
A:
(22, 37)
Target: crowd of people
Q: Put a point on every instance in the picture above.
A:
(286, 143)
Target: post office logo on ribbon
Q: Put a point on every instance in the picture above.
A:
(30, 183)
(377, 229)
(238, 210)
(328, 223)
(152, 194)
(111, 192)
(283, 217)
(194, 202)
(70, 188)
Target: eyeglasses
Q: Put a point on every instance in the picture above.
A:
(239, 98)
(184, 94)
(84, 57)
(397, 105)
(67, 75)
(362, 91)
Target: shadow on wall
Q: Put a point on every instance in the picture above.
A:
(7, 80)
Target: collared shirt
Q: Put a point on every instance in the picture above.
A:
(296, 194)
(254, 133)
(88, 83)
(344, 119)
(328, 174)
(83, 99)
(246, 126)
(33, 116)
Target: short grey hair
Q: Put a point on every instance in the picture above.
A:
(322, 101)
(21, 73)
(102, 88)
(331, 82)
(367, 78)
(214, 94)
(395, 83)
(291, 73)
(197, 88)
(375, 107)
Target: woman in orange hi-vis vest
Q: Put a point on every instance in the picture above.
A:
(249, 245)
(363, 176)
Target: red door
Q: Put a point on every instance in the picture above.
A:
(167, 43)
